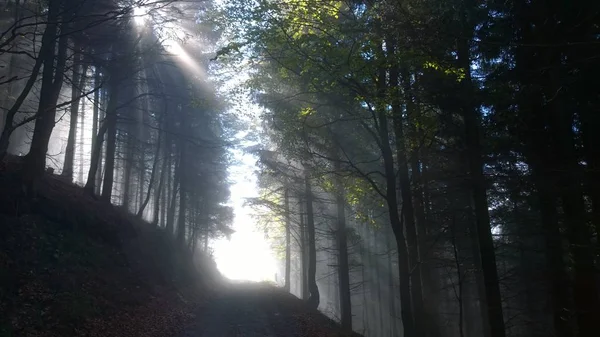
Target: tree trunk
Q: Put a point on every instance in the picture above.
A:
(82, 133)
(478, 189)
(128, 165)
(90, 187)
(561, 127)
(391, 286)
(542, 161)
(392, 203)
(8, 128)
(286, 200)
(166, 190)
(111, 140)
(313, 299)
(342, 250)
(406, 193)
(181, 220)
(52, 80)
(152, 174)
(96, 107)
(101, 154)
(171, 213)
(68, 164)
(158, 194)
(48, 44)
(11, 66)
(303, 251)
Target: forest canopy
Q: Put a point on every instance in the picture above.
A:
(429, 168)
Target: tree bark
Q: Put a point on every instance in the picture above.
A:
(175, 188)
(542, 161)
(181, 220)
(392, 203)
(52, 80)
(478, 189)
(152, 174)
(111, 140)
(288, 258)
(303, 251)
(82, 133)
(313, 299)
(407, 195)
(68, 164)
(158, 194)
(561, 123)
(342, 250)
(11, 113)
(128, 166)
(96, 107)
(11, 65)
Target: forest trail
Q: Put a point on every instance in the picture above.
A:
(257, 310)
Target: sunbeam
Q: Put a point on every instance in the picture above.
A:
(140, 15)
(182, 58)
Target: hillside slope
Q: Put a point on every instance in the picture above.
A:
(73, 266)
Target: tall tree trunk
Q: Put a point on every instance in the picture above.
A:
(542, 161)
(392, 203)
(363, 253)
(561, 127)
(313, 299)
(470, 113)
(9, 126)
(392, 297)
(418, 166)
(90, 186)
(152, 174)
(181, 220)
(68, 164)
(158, 194)
(166, 189)
(342, 252)
(10, 87)
(169, 187)
(378, 279)
(288, 258)
(82, 133)
(111, 140)
(458, 289)
(128, 166)
(303, 250)
(101, 154)
(406, 193)
(52, 80)
(175, 187)
(96, 107)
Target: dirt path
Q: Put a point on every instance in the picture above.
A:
(252, 310)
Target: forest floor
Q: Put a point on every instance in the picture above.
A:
(73, 266)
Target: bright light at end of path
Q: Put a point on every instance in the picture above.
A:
(247, 256)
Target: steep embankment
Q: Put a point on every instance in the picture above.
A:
(73, 266)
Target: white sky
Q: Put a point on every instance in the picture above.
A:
(247, 256)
